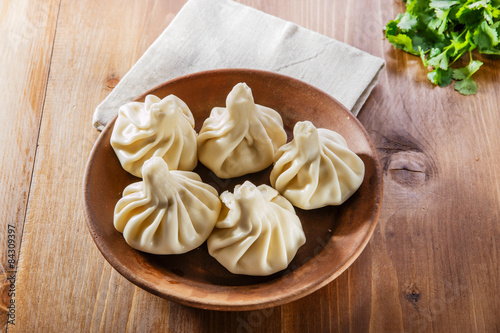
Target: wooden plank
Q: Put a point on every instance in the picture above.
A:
(435, 249)
(64, 284)
(27, 29)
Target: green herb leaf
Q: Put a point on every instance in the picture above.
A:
(443, 4)
(439, 61)
(417, 6)
(441, 77)
(467, 71)
(402, 42)
(442, 31)
(466, 86)
(491, 52)
(399, 40)
(485, 36)
(407, 22)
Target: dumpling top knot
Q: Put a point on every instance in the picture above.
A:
(240, 100)
(156, 171)
(306, 137)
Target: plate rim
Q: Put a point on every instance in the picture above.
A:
(272, 300)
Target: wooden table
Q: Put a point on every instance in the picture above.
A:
(432, 264)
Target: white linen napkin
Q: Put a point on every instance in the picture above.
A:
(213, 34)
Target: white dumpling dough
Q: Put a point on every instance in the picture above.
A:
(316, 168)
(169, 212)
(241, 138)
(157, 127)
(257, 233)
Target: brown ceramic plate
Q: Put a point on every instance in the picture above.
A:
(335, 235)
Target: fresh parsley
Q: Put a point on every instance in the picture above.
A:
(442, 31)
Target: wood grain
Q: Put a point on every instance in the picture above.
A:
(94, 42)
(432, 264)
(27, 29)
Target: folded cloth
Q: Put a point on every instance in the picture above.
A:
(213, 34)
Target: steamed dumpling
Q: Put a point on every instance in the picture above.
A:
(241, 138)
(169, 212)
(316, 168)
(157, 127)
(257, 233)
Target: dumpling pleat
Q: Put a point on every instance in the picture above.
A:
(277, 255)
(138, 223)
(126, 209)
(153, 233)
(186, 232)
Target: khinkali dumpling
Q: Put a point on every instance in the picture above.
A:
(157, 127)
(241, 138)
(168, 212)
(316, 168)
(257, 233)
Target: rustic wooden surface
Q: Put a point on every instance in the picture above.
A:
(432, 264)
